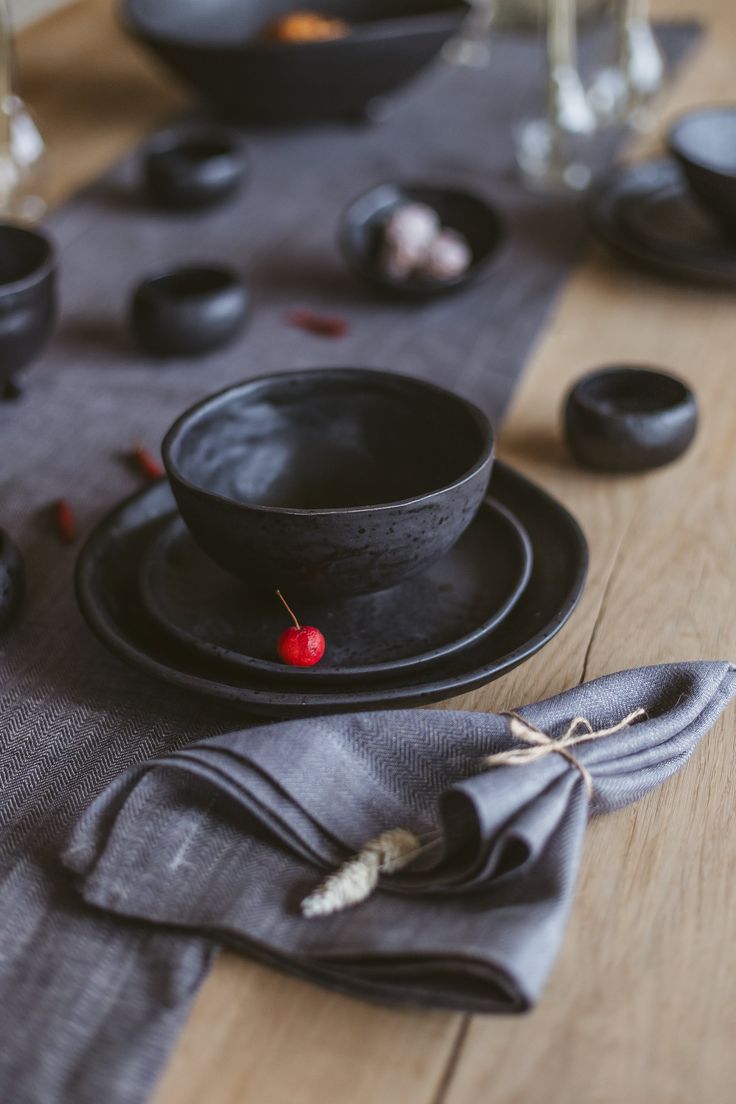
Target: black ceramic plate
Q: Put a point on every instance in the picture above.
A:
(107, 591)
(451, 605)
(645, 212)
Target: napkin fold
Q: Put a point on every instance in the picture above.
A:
(227, 836)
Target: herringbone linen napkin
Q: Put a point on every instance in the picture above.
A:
(226, 837)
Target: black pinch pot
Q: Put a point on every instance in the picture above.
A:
(330, 481)
(188, 311)
(360, 235)
(217, 47)
(193, 167)
(12, 580)
(704, 144)
(629, 419)
(27, 300)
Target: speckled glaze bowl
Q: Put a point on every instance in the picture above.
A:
(329, 481)
(629, 419)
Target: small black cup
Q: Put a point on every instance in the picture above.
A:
(27, 300)
(188, 311)
(193, 167)
(629, 419)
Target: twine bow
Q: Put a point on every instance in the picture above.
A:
(540, 744)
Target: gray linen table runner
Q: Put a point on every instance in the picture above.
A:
(90, 1005)
(226, 837)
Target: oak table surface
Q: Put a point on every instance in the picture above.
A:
(641, 1006)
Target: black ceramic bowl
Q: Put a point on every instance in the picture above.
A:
(704, 143)
(188, 311)
(627, 419)
(217, 48)
(330, 481)
(192, 167)
(362, 225)
(27, 300)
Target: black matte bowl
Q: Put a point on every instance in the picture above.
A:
(27, 300)
(192, 167)
(331, 481)
(216, 47)
(629, 419)
(361, 229)
(704, 143)
(188, 311)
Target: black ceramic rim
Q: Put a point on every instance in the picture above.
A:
(364, 31)
(602, 209)
(176, 138)
(181, 426)
(45, 266)
(158, 282)
(281, 703)
(414, 288)
(399, 666)
(590, 391)
(679, 150)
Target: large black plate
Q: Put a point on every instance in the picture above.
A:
(107, 591)
(461, 598)
(645, 212)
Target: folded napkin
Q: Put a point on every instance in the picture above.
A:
(228, 836)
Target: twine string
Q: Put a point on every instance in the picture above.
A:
(539, 744)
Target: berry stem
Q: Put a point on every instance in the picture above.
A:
(289, 610)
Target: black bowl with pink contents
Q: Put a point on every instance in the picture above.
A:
(329, 482)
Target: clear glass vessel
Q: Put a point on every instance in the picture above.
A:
(550, 151)
(620, 92)
(21, 146)
(471, 47)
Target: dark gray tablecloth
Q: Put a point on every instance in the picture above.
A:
(90, 1006)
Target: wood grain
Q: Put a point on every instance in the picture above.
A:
(642, 1003)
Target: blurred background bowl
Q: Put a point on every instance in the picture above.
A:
(218, 48)
(704, 144)
(27, 300)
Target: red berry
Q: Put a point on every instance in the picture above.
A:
(302, 647)
(299, 645)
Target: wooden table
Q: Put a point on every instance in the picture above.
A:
(641, 1007)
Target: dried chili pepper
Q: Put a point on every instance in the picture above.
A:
(147, 462)
(66, 523)
(324, 325)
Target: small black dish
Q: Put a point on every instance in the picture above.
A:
(329, 481)
(704, 144)
(458, 600)
(188, 311)
(629, 419)
(12, 580)
(193, 167)
(218, 48)
(360, 234)
(107, 592)
(27, 301)
(646, 214)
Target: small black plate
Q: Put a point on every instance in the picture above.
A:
(444, 609)
(645, 212)
(107, 592)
